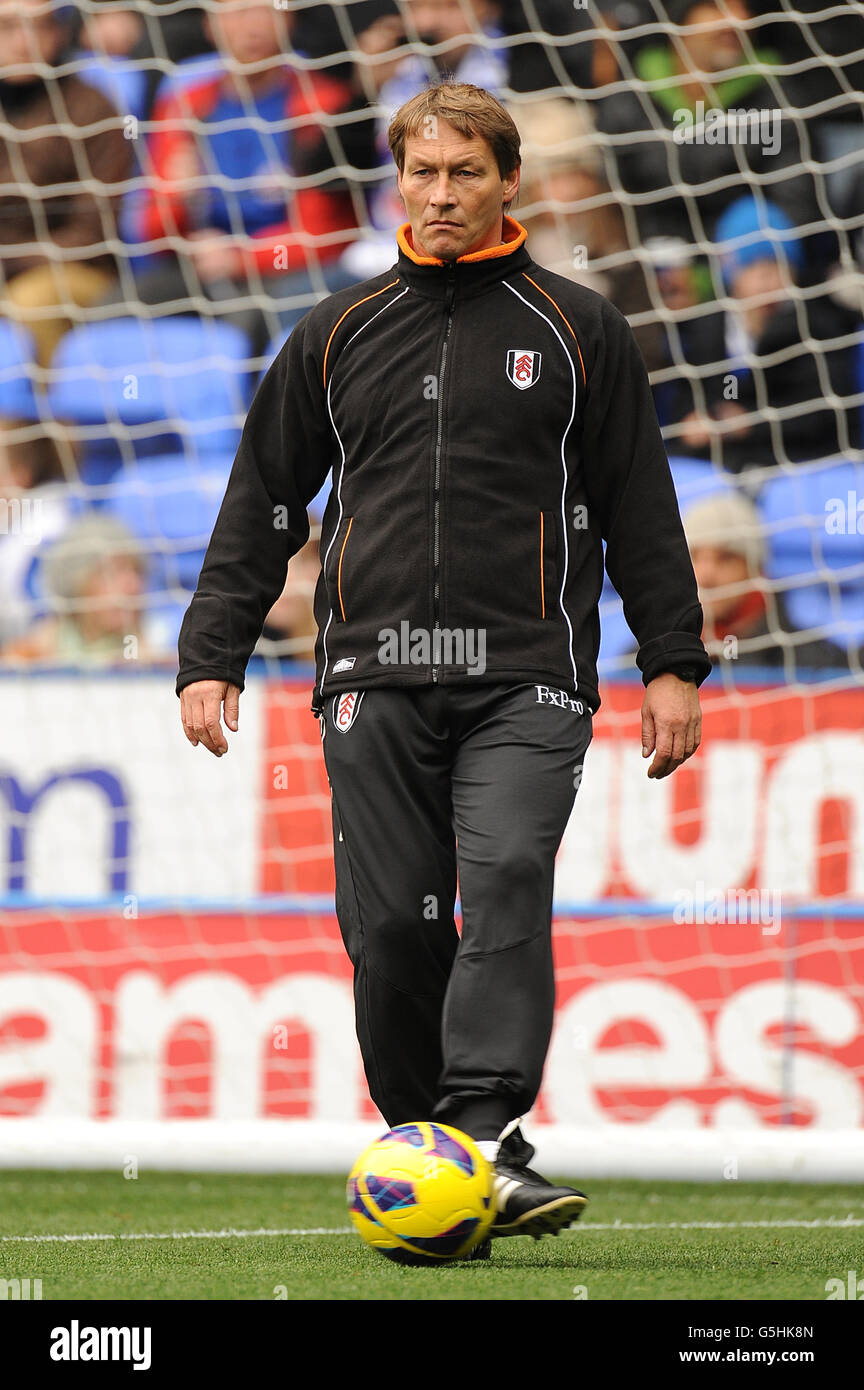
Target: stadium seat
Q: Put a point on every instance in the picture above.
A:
(172, 505)
(696, 478)
(319, 502)
(617, 643)
(17, 361)
(164, 619)
(272, 350)
(158, 386)
(812, 519)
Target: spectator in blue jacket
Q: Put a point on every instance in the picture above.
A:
(757, 395)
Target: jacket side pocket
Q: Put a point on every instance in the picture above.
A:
(337, 573)
(548, 563)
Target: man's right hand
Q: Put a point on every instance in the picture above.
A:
(200, 710)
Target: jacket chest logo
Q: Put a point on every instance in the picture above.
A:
(523, 367)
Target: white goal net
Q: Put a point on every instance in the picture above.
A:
(179, 184)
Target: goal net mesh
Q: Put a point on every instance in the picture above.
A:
(179, 184)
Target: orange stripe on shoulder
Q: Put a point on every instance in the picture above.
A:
(365, 300)
(566, 320)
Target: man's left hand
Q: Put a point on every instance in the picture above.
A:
(671, 723)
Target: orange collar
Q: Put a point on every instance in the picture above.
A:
(515, 236)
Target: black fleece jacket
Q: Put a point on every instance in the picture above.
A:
(489, 425)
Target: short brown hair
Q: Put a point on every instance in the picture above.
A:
(471, 110)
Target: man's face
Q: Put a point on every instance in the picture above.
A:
(717, 568)
(28, 37)
(719, 47)
(112, 598)
(760, 277)
(565, 191)
(763, 278)
(447, 19)
(453, 193)
(247, 31)
(567, 187)
(438, 21)
(676, 286)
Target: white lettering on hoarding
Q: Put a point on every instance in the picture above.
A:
(687, 1054)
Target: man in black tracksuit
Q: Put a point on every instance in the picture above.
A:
(488, 425)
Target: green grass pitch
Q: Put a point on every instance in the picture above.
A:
(182, 1239)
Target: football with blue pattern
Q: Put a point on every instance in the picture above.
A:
(422, 1194)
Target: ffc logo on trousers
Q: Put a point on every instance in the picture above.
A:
(345, 707)
(523, 367)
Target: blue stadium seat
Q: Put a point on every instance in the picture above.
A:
(616, 640)
(272, 350)
(17, 362)
(164, 618)
(814, 520)
(157, 386)
(319, 502)
(172, 505)
(695, 479)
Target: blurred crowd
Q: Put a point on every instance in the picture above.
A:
(218, 169)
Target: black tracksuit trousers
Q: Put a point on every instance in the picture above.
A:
(429, 783)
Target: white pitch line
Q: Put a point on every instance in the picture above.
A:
(229, 1232)
(831, 1222)
(828, 1223)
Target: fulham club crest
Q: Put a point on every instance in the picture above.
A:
(523, 367)
(345, 707)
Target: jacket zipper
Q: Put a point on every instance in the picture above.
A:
(436, 557)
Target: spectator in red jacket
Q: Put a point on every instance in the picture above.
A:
(226, 153)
